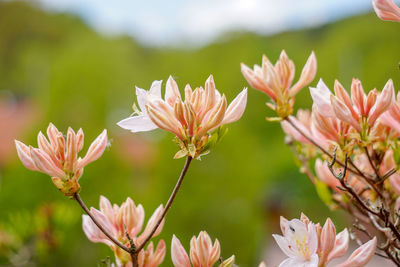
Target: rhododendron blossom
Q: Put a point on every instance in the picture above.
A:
(191, 120)
(203, 253)
(360, 111)
(126, 222)
(58, 157)
(276, 80)
(310, 245)
(386, 10)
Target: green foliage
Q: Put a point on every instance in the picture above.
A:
(79, 78)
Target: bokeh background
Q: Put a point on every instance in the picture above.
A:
(75, 63)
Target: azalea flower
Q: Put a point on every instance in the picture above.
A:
(120, 221)
(299, 242)
(276, 81)
(386, 10)
(192, 120)
(310, 245)
(58, 157)
(360, 111)
(203, 253)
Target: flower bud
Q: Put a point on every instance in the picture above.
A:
(361, 256)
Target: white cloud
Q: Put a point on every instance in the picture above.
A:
(160, 22)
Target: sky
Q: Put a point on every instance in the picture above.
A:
(199, 22)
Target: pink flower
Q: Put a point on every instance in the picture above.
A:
(360, 110)
(308, 245)
(191, 120)
(276, 80)
(119, 220)
(329, 130)
(386, 10)
(58, 157)
(203, 253)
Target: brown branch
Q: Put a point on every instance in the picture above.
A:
(378, 177)
(168, 205)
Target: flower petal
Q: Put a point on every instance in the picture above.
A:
(141, 123)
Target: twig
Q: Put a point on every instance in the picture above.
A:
(168, 205)
(378, 177)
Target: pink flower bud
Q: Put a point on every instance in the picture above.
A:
(171, 92)
(45, 164)
(178, 254)
(307, 74)
(256, 81)
(383, 103)
(285, 69)
(79, 140)
(24, 155)
(371, 100)
(361, 256)
(327, 240)
(163, 116)
(151, 223)
(341, 245)
(343, 113)
(95, 150)
(386, 10)
(236, 108)
(151, 258)
(202, 251)
(71, 155)
(358, 97)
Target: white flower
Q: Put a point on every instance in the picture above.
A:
(300, 243)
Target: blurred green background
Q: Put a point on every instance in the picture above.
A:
(54, 68)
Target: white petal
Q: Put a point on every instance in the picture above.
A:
(291, 263)
(155, 89)
(283, 245)
(312, 238)
(321, 97)
(313, 262)
(141, 96)
(135, 124)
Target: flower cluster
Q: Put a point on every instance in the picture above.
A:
(58, 157)
(125, 223)
(192, 120)
(357, 133)
(309, 244)
(276, 81)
